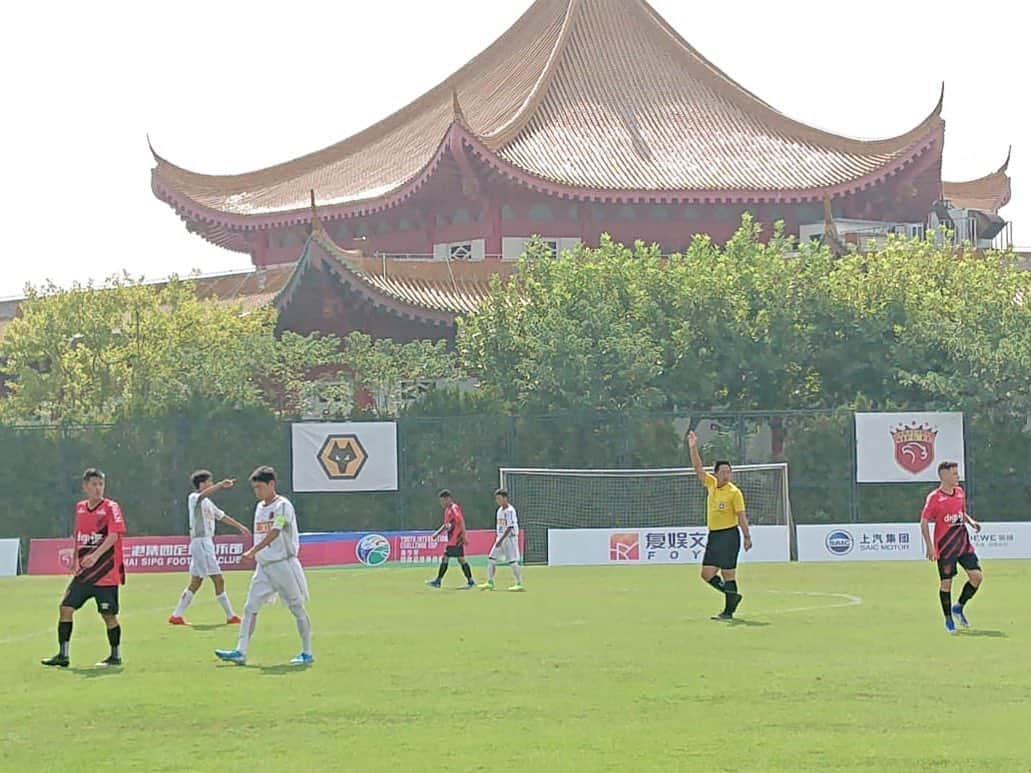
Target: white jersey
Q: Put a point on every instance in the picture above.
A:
(202, 514)
(279, 514)
(507, 519)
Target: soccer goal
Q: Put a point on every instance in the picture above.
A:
(611, 499)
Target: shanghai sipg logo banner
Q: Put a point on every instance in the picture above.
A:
(907, 447)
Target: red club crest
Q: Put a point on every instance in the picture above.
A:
(914, 446)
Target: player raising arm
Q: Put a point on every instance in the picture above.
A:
(727, 522)
(454, 525)
(202, 514)
(946, 508)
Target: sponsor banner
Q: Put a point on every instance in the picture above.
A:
(350, 456)
(141, 554)
(661, 545)
(389, 547)
(10, 551)
(907, 447)
(1003, 540)
(861, 542)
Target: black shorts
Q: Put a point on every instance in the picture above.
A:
(722, 548)
(947, 567)
(454, 551)
(78, 594)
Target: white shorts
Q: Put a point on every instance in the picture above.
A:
(507, 552)
(283, 578)
(203, 562)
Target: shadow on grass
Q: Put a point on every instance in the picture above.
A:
(987, 634)
(208, 626)
(278, 670)
(93, 673)
(747, 623)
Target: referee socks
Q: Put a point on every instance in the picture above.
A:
(717, 582)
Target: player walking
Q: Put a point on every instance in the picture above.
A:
(97, 568)
(203, 513)
(277, 543)
(946, 508)
(454, 525)
(727, 522)
(506, 546)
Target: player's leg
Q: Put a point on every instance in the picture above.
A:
(946, 571)
(445, 561)
(187, 596)
(73, 599)
(512, 557)
(223, 598)
(975, 577)
(466, 569)
(728, 566)
(107, 605)
(258, 593)
(492, 568)
(292, 586)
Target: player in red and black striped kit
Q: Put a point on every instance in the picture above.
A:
(97, 567)
(946, 508)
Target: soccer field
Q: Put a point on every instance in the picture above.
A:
(829, 667)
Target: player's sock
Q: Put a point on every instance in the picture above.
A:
(303, 627)
(967, 593)
(64, 637)
(492, 567)
(729, 588)
(946, 601)
(443, 569)
(517, 570)
(468, 572)
(717, 582)
(250, 622)
(114, 638)
(227, 606)
(184, 601)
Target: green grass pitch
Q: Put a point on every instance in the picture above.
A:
(831, 667)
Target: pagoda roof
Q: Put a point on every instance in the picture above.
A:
(988, 194)
(589, 98)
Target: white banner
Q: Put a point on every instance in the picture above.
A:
(907, 447)
(860, 542)
(1003, 540)
(661, 545)
(10, 549)
(352, 456)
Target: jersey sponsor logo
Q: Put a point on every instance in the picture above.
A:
(839, 542)
(342, 457)
(625, 546)
(373, 550)
(954, 518)
(263, 527)
(90, 540)
(914, 446)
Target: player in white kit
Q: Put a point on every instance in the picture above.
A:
(277, 543)
(203, 513)
(506, 545)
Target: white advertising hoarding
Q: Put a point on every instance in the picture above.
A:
(903, 542)
(907, 447)
(10, 549)
(343, 457)
(661, 545)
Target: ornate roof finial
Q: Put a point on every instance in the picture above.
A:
(316, 222)
(153, 152)
(1006, 163)
(941, 101)
(456, 109)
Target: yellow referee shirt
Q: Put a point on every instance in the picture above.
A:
(724, 503)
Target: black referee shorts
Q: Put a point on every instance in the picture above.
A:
(79, 593)
(947, 566)
(722, 548)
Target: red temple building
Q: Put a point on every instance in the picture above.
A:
(585, 117)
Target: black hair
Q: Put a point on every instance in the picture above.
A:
(501, 493)
(93, 472)
(264, 474)
(947, 466)
(720, 463)
(444, 493)
(199, 477)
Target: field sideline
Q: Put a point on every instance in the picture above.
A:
(832, 667)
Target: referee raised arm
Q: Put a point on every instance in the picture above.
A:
(727, 523)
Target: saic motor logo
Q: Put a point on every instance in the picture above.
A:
(373, 550)
(839, 542)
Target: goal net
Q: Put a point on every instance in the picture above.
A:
(612, 499)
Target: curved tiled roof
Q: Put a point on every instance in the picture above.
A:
(988, 194)
(600, 95)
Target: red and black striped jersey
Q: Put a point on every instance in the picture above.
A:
(92, 526)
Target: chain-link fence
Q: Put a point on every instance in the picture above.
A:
(148, 463)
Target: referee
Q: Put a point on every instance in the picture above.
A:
(725, 514)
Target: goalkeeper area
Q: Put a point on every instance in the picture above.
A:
(612, 499)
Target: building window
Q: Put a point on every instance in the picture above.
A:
(539, 212)
(574, 213)
(658, 213)
(508, 213)
(552, 246)
(462, 217)
(626, 212)
(692, 215)
(382, 227)
(405, 225)
(723, 213)
(342, 233)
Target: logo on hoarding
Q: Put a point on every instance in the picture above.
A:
(66, 557)
(625, 546)
(914, 446)
(373, 549)
(342, 457)
(839, 542)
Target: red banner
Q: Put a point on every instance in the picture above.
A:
(141, 554)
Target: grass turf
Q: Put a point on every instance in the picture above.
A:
(831, 667)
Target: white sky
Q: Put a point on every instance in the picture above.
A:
(231, 86)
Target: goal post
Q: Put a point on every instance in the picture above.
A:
(649, 498)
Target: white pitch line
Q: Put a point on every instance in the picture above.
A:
(848, 600)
